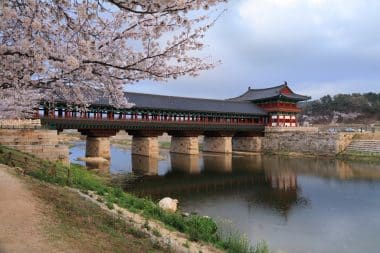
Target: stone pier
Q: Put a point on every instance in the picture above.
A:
(98, 142)
(185, 145)
(98, 147)
(145, 146)
(217, 144)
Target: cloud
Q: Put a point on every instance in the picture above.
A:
(332, 22)
(318, 46)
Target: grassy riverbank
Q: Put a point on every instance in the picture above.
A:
(359, 156)
(83, 227)
(197, 228)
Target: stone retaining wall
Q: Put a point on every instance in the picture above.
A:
(39, 142)
(20, 123)
(306, 142)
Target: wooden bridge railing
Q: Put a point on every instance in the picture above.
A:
(134, 117)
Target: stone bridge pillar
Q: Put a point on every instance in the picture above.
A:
(145, 143)
(218, 142)
(247, 142)
(98, 142)
(184, 143)
(98, 147)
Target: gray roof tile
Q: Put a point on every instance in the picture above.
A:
(272, 92)
(173, 103)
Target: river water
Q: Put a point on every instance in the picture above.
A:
(294, 204)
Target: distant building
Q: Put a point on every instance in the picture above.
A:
(280, 102)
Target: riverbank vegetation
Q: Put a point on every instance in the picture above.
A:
(356, 107)
(196, 227)
(359, 156)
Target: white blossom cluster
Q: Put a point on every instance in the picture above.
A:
(72, 49)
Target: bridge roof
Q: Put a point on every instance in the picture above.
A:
(269, 93)
(173, 103)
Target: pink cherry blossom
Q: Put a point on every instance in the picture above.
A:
(73, 49)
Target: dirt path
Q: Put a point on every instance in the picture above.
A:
(20, 219)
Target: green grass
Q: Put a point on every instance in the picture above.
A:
(359, 156)
(122, 142)
(164, 144)
(81, 226)
(235, 242)
(240, 244)
(136, 232)
(156, 232)
(198, 228)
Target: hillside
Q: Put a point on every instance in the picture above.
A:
(342, 108)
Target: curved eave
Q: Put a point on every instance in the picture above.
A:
(296, 97)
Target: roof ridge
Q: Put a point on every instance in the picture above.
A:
(269, 88)
(253, 90)
(169, 96)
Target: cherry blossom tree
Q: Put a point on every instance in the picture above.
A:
(74, 49)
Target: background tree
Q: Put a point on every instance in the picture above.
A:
(366, 106)
(72, 49)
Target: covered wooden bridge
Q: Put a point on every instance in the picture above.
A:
(243, 118)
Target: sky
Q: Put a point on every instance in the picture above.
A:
(319, 47)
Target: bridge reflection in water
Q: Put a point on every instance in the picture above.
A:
(268, 180)
(287, 201)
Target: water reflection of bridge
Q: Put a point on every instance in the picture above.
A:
(320, 167)
(275, 167)
(214, 175)
(268, 180)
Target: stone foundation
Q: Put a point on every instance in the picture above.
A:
(20, 123)
(98, 147)
(145, 146)
(246, 144)
(307, 142)
(184, 145)
(217, 144)
(39, 142)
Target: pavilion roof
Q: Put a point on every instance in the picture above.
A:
(269, 93)
(173, 103)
